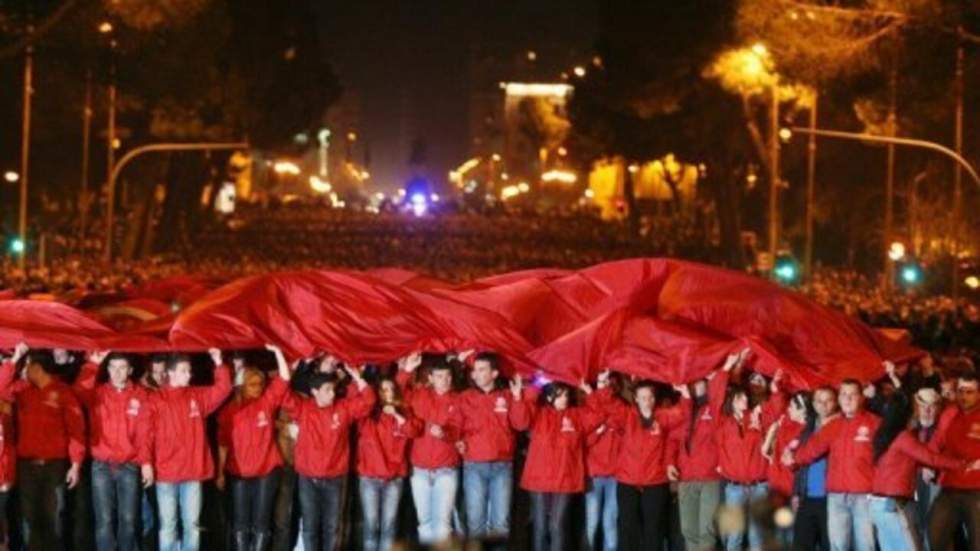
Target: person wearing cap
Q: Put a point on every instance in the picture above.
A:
(927, 402)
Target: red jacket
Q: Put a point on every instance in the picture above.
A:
(556, 455)
(847, 444)
(959, 437)
(178, 432)
(248, 431)
(382, 445)
(740, 450)
(323, 445)
(780, 476)
(697, 457)
(488, 425)
(602, 451)
(8, 449)
(642, 449)
(118, 419)
(50, 423)
(429, 452)
(895, 471)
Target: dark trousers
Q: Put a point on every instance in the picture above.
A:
(283, 519)
(810, 529)
(319, 502)
(116, 499)
(42, 502)
(548, 511)
(252, 500)
(643, 516)
(952, 509)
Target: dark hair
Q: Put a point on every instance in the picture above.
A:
(851, 382)
(177, 358)
(378, 406)
(318, 379)
(733, 392)
(895, 414)
(158, 358)
(43, 358)
(489, 357)
(551, 391)
(440, 366)
(969, 377)
(118, 356)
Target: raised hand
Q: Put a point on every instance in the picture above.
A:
(215, 354)
(516, 387)
(19, 351)
(98, 356)
(411, 362)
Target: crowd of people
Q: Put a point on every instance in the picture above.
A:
(735, 459)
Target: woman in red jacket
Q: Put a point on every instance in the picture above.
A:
(382, 464)
(642, 488)
(782, 434)
(738, 439)
(555, 467)
(247, 451)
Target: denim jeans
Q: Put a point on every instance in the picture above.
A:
(379, 507)
(434, 493)
(319, 503)
(738, 498)
(251, 502)
(952, 509)
(188, 497)
(487, 488)
(601, 504)
(698, 504)
(42, 502)
(893, 524)
(548, 511)
(849, 523)
(116, 499)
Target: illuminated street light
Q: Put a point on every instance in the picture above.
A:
(523, 187)
(896, 251)
(352, 136)
(509, 191)
(579, 71)
(785, 134)
(562, 176)
(973, 282)
(562, 152)
(11, 176)
(634, 168)
(286, 167)
(760, 49)
(589, 194)
(105, 27)
(532, 55)
(320, 186)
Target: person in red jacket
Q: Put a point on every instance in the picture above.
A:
(118, 438)
(487, 444)
(959, 500)
(897, 453)
(382, 464)
(51, 446)
(555, 466)
(846, 441)
(247, 451)
(601, 458)
(642, 488)
(434, 457)
(180, 449)
(696, 463)
(322, 452)
(785, 431)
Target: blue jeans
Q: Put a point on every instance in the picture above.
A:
(738, 497)
(487, 489)
(434, 493)
(893, 524)
(379, 505)
(186, 495)
(319, 503)
(849, 522)
(548, 513)
(116, 498)
(601, 503)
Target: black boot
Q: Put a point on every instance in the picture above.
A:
(261, 540)
(243, 540)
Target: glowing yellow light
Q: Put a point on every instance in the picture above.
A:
(896, 251)
(536, 89)
(562, 176)
(562, 152)
(105, 27)
(972, 282)
(760, 49)
(785, 134)
(532, 55)
(589, 194)
(286, 167)
(504, 176)
(116, 143)
(523, 187)
(320, 186)
(509, 192)
(579, 71)
(597, 61)
(496, 157)
(634, 168)
(352, 136)
(11, 176)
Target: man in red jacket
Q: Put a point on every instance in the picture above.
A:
(180, 448)
(847, 443)
(120, 448)
(487, 445)
(959, 500)
(51, 445)
(434, 458)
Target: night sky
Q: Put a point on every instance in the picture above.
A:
(407, 61)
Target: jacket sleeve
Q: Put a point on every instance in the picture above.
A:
(938, 441)
(522, 411)
(911, 447)
(359, 405)
(274, 394)
(614, 411)
(819, 444)
(84, 385)
(773, 407)
(8, 371)
(225, 420)
(144, 432)
(411, 428)
(75, 425)
(717, 386)
(215, 395)
(591, 414)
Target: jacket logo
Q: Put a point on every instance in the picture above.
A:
(501, 405)
(706, 416)
(195, 409)
(51, 399)
(335, 421)
(263, 420)
(863, 434)
(567, 425)
(133, 409)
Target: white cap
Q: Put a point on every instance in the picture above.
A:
(928, 396)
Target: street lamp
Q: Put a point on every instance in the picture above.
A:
(11, 176)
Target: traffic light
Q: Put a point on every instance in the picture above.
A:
(786, 269)
(910, 274)
(17, 246)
